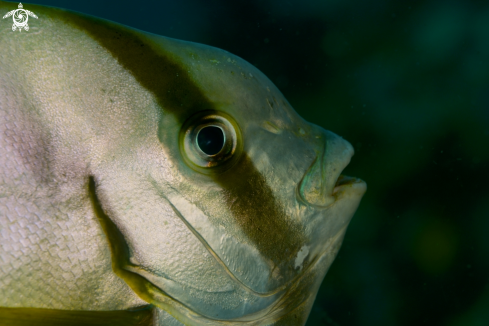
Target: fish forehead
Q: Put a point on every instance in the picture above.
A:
(184, 77)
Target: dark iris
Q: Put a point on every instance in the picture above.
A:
(210, 140)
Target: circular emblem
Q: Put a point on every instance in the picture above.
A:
(20, 17)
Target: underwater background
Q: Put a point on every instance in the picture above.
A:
(407, 84)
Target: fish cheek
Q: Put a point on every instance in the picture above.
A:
(257, 212)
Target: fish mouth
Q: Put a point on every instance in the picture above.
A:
(323, 184)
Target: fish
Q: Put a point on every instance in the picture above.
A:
(146, 180)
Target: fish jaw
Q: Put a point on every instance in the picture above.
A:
(331, 197)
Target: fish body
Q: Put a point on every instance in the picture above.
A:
(168, 179)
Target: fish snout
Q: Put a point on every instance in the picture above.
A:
(323, 179)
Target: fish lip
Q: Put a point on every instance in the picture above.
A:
(344, 182)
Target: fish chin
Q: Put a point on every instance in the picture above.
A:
(291, 304)
(294, 307)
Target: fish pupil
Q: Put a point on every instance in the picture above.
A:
(210, 140)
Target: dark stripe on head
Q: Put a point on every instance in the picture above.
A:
(158, 72)
(259, 214)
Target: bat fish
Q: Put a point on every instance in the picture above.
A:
(151, 181)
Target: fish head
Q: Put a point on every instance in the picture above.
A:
(274, 182)
(230, 206)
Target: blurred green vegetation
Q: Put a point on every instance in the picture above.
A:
(407, 83)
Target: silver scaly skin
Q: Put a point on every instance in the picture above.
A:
(111, 214)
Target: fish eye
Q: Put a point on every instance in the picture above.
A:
(210, 141)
